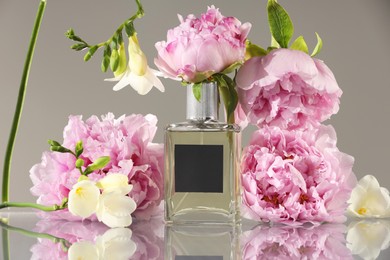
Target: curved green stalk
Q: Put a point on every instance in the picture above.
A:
(32, 205)
(19, 105)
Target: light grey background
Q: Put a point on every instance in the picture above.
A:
(356, 35)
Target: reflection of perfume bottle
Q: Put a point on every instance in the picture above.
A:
(201, 164)
(211, 242)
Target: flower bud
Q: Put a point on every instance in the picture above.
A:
(137, 59)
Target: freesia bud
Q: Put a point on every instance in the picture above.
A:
(122, 60)
(137, 59)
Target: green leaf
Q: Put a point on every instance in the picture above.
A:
(79, 148)
(227, 90)
(300, 45)
(90, 53)
(114, 60)
(79, 46)
(79, 163)
(232, 68)
(274, 43)
(253, 50)
(100, 163)
(318, 47)
(197, 90)
(129, 28)
(280, 24)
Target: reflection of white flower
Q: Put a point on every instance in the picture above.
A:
(137, 74)
(116, 244)
(83, 198)
(84, 250)
(367, 238)
(115, 209)
(369, 200)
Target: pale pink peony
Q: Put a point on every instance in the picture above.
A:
(288, 89)
(296, 176)
(128, 142)
(201, 47)
(290, 243)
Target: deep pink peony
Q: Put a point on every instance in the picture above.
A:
(201, 47)
(290, 243)
(127, 140)
(288, 89)
(297, 175)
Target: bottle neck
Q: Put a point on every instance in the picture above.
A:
(207, 107)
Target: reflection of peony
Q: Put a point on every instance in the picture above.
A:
(128, 142)
(367, 238)
(149, 237)
(296, 176)
(284, 242)
(288, 89)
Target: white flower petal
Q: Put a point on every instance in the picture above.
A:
(83, 251)
(83, 198)
(115, 209)
(368, 199)
(115, 182)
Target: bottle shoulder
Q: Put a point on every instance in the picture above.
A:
(204, 126)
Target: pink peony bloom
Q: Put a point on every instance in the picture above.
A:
(290, 243)
(288, 89)
(201, 47)
(297, 175)
(128, 142)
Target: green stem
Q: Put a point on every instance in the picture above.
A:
(32, 205)
(19, 105)
(65, 244)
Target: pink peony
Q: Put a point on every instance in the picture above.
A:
(201, 47)
(128, 142)
(297, 175)
(290, 243)
(288, 89)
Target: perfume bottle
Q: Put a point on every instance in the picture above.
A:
(202, 155)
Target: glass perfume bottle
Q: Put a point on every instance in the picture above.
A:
(201, 164)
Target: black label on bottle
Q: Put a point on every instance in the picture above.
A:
(199, 168)
(190, 257)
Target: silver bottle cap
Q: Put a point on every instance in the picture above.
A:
(207, 108)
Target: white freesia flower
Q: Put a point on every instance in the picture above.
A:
(115, 182)
(369, 200)
(83, 198)
(83, 251)
(115, 209)
(116, 244)
(368, 238)
(137, 74)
